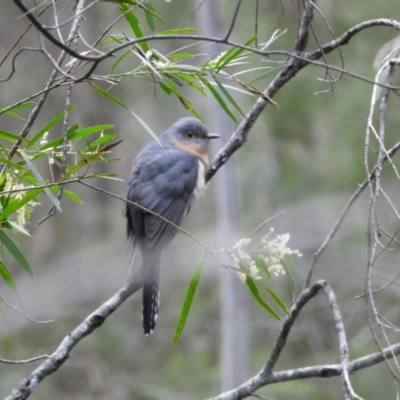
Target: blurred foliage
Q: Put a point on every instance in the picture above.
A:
(310, 146)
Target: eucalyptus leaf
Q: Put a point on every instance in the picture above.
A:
(16, 204)
(179, 31)
(228, 96)
(7, 277)
(292, 282)
(134, 24)
(15, 251)
(278, 300)
(108, 95)
(219, 99)
(49, 125)
(40, 180)
(254, 291)
(189, 299)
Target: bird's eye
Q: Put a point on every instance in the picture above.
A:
(190, 135)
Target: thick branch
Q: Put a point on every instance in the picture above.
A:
(89, 324)
(267, 377)
(240, 135)
(348, 35)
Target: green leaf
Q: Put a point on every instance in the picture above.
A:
(149, 16)
(130, 2)
(13, 165)
(134, 24)
(29, 179)
(19, 106)
(180, 56)
(15, 252)
(262, 225)
(186, 103)
(190, 80)
(260, 264)
(232, 53)
(11, 112)
(14, 115)
(228, 96)
(278, 300)
(75, 134)
(16, 204)
(189, 298)
(149, 10)
(102, 139)
(268, 73)
(259, 227)
(49, 125)
(81, 133)
(72, 196)
(40, 180)
(179, 31)
(219, 99)
(290, 262)
(165, 87)
(292, 282)
(254, 291)
(12, 137)
(118, 60)
(7, 277)
(108, 95)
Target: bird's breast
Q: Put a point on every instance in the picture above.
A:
(201, 181)
(200, 185)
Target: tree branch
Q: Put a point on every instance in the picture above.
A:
(87, 326)
(267, 377)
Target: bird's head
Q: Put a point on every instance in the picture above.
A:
(191, 135)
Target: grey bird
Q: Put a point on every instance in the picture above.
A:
(165, 180)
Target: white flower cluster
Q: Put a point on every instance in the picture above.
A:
(43, 140)
(161, 64)
(269, 252)
(242, 259)
(275, 251)
(215, 61)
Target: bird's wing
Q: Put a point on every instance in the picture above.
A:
(162, 181)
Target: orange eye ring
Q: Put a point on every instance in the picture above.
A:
(190, 135)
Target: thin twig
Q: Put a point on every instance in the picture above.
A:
(342, 217)
(9, 305)
(29, 360)
(233, 21)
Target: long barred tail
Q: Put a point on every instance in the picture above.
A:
(151, 300)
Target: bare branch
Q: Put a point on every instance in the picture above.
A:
(29, 360)
(349, 34)
(87, 326)
(22, 312)
(343, 215)
(228, 34)
(280, 342)
(304, 28)
(343, 346)
(267, 377)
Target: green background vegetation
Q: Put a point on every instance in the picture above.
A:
(304, 157)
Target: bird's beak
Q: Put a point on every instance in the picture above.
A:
(213, 136)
